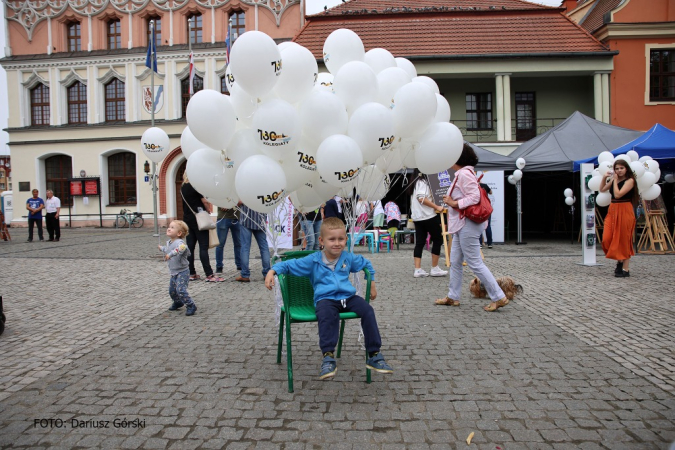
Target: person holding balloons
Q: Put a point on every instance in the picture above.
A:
(617, 238)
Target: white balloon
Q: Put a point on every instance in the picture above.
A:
(323, 114)
(428, 81)
(406, 65)
(341, 47)
(520, 163)
(211, 118)
(605, 156)
(596, 173)
(569, 193)
(372, 127)
(414, 109)
(442, 109)
(633, 155)
(652, 165)
(244, 105)
(605, 167)
(646, 181)
(569, 201)
(260, 183)
(658, 175)
(189, 143)
(256, 62)
(299, 75)
(388, 82)
(209, 175)
(379, 59)
(511, 180)
(652, 193)
(278, 127)
(603, 198)
(440, 148)
(306, 192)
(645, 158)
(324, 82)
(285, 44)
(227, 203)
(355, 84)
(324, 190)
(638, 168)
(244, 144)
(624, 157)
(594, 183)
(338, 160)
(300, 167)
(372, 184)
(407, 148)
(156, 144)
(390, 161)
(670, 178)
(229, 78)
(518, 175)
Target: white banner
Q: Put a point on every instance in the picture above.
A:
(281, 229)
(587, 205)
(495, 179)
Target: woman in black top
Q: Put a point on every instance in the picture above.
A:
(192, 200)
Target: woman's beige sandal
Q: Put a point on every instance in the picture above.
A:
(494, 306)
(447, 301)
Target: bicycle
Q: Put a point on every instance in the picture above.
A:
(133, 219)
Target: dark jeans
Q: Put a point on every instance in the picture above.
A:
(246, 235)
(433, 227)
(53, 226)
(328, 313)
(225, 225)
(37, 222)
(488, 233)
(203, 238)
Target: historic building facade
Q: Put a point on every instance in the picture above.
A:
(79, 90)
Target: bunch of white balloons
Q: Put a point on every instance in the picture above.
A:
(286, 129)
(518, 173)
(646, 172)
(569, 197)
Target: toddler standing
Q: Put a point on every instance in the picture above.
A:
(177, 253)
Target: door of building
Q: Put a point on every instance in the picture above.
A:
(526, 118)
(179, 183)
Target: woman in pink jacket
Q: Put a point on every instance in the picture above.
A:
(464, 192)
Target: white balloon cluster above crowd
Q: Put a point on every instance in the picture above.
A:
(286, 129)
(646, 171)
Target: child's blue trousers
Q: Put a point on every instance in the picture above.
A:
(178, 288)
(328, 313)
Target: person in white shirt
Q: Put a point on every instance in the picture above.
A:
(53, 210)
(378, 215)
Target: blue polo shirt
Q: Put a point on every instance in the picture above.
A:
(35, 203)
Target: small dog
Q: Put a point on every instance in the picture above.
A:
(507, 284)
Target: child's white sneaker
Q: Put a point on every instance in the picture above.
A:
(438, 272)
(419, 273)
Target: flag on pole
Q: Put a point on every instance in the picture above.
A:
(151, 58)
(227, 42)
(192, 74)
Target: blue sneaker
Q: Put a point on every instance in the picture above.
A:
(328, 368)
(176, 305)
(378, 364)
(190, 310)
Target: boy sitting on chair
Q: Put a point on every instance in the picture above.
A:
(328, 272)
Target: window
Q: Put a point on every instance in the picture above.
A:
(74, 37)
(223, 85)
(195, 29)
(58, 170)
(77, 103)
(158, 30)
(122, 178)
(479, 111)
(2, 186)
(39, 105)
(114, 34)
(662, 75)
(198, 84)
(114, 101)
(238, 25)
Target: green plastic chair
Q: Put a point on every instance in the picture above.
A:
(298, 296)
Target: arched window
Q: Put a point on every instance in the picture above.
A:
(195, 29)
(58, 169)
(122, 178)
(198, 85)
(238, 25)
(77, 103)
(114, 101)
(39, 105)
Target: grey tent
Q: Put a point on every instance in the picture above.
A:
(488, 160)
(578, 137)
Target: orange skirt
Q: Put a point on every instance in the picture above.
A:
(617, 237)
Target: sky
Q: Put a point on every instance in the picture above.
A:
(313, 6)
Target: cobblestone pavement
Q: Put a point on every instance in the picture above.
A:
(580, 360)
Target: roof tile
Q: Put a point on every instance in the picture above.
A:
(412, 6)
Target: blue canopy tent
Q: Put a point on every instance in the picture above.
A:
(658, 142)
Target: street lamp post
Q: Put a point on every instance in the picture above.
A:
(152, 123)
